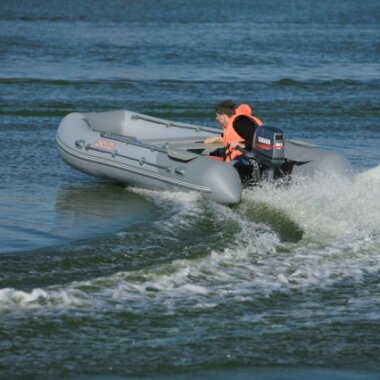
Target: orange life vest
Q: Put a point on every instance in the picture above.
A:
(230, 135)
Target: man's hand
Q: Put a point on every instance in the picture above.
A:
(214, 140)
(235, 144)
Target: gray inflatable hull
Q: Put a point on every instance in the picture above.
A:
(149, 152)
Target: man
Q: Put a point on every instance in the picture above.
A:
(238, 125)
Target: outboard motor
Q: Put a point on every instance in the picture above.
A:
(268, 150)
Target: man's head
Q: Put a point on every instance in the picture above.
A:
(224, 111)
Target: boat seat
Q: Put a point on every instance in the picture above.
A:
(109, 122)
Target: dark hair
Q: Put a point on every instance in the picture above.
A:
(226, 107)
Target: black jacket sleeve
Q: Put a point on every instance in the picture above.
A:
(246, 128)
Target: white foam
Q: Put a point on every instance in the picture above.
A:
(371, 176)
(186, 199)
(179, 207)
(328, 207)
(41, 298)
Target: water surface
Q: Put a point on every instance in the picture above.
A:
(98, 281)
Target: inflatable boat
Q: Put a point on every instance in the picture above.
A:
(149, 152)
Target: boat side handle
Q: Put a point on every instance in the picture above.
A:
(79, 144)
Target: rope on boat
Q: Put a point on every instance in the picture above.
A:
(170, 124)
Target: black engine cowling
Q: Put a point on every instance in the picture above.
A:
(268, 152)
(269, 144)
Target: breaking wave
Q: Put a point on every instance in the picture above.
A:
(340, 223)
